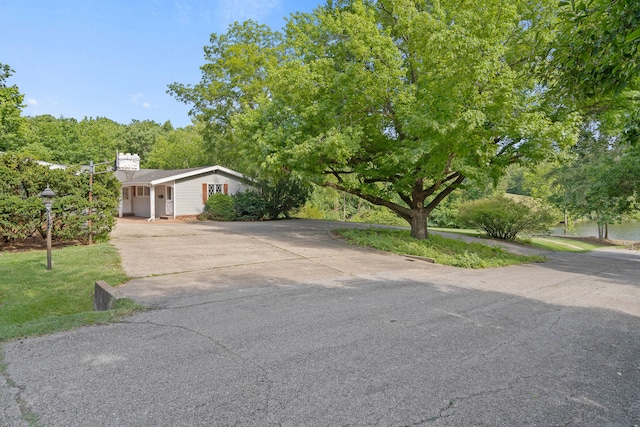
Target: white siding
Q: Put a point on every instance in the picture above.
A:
(188, 191)
(141, 206)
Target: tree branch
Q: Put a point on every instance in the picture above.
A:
(400, 210)
(444, 193)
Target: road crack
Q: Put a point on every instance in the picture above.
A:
(27, 414)
(264, 376)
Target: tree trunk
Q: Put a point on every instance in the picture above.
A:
(418, 223)
(606, 231)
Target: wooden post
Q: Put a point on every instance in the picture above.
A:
(90, 200)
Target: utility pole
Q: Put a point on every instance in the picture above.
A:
(92, 171)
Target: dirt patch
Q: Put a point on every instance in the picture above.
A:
(33, 244)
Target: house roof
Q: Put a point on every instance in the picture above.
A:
(150, 177)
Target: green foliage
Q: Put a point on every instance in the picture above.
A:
(599, 181)
(271, 198)
(140, 137)
(504, 218)
(283, 195)
(22, 213)
(35, 301)
(179, 149)
(249, 205)
(395, 102)
(442, 250)
(19, 218)
(219, 207)
(233, 79)
(11, 104)
(310, 211)
(378, 216)
(72, 142)
(597, 50)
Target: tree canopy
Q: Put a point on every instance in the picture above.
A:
(597, 50)
(395, 101)
(11, 104)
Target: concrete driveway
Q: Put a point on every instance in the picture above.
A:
(278, 324)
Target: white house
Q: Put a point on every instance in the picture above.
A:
(153, 193)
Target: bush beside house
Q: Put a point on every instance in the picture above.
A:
(267, 200)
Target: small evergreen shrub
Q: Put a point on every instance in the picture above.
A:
(23, 215)
(249, 206)
(504, 218)
(220, 207)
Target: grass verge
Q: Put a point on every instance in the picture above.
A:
(564, 244)
(442, 250)
(34, 301)
(551, 243)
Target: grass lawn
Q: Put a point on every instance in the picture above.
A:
(551, 243)
(34, 301)
(565, 244)
(442, 250)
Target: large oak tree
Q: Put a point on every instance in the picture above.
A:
(395, 101)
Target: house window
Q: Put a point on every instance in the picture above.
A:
(214, 188)
(209, 190)
(143, 191)
(125, 193)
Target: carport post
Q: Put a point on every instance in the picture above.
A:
(152, 202)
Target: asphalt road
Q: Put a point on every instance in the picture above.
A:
(264, 324)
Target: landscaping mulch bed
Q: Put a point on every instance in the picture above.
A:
(33, 244)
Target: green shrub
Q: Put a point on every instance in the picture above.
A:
(22, 213)
(310, 211)
(220, 207)
(249, 205)
(504, 218)
(379, 215)
(19, 218)
(283, 195)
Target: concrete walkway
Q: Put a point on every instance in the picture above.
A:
(277, 323)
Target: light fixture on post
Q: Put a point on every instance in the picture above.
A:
(47, 197)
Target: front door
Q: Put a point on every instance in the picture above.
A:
(127, 208)
(168, 208)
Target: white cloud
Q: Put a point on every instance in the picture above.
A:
(32, 101)
(146, 105)
(136, 96)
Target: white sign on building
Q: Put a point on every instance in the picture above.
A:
(127, 162)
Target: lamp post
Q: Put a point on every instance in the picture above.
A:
(47, 198)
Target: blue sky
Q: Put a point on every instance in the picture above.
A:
(115, 58)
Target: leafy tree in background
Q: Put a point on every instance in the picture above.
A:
(141, 136)
(234, 79)
(600, 181)
(179, 149)
(11, 104)
(597, 51)
(397, 102)
(48, 138)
